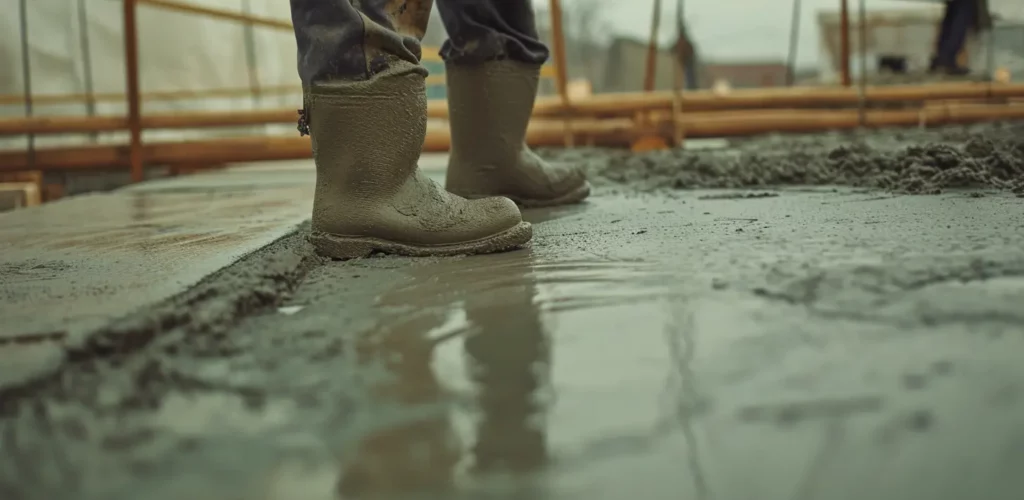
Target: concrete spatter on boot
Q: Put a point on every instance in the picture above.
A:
(370, 195)
(435, 210)
(489, 109)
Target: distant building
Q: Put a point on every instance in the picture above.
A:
(626, 63)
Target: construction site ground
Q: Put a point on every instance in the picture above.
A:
(834, 316)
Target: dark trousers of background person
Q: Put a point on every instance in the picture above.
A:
(956, 23)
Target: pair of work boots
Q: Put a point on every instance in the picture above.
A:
(370, 194)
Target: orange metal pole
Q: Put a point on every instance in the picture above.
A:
(844, 41)
(131, 70)
(561, 76)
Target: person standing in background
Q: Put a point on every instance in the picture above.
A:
(959, 19)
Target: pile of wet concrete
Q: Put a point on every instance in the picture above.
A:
(915, 161)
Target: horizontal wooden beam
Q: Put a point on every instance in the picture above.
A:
(608, 132)
(600, 106)
(158, 96)
(624, 104)
(547, 72)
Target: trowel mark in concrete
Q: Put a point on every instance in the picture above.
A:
(912, 162)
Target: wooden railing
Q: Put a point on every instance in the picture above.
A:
(134, 121)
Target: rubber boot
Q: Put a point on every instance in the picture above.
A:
(489, 107)
(371, 196)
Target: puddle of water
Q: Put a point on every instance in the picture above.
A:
(491, 329)
(603, 379)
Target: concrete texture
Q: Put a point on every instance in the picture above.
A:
(918, 161)
(86, 266)
(810, 342)
(73, 267)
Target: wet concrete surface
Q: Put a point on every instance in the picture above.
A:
(72, 267)
(807, 345)
(785, 343)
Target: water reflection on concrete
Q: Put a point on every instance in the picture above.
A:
(595, 373)
(485, 327)
(779, 348)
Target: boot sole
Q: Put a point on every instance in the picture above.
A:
(354, 247)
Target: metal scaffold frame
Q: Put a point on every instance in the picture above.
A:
(618, 119)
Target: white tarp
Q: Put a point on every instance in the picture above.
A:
(177, 51)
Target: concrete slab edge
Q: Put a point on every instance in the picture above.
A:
(256, 282)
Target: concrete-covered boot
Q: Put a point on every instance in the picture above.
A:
(489, 107)
(370, 194)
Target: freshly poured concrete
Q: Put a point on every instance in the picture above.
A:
(795, 343)
(70, 268)
(808, 345)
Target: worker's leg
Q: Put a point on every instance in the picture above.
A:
(365, 108)
(944, 26)
(338, 41)
(485, 30)
(953, 34)
(493, 61)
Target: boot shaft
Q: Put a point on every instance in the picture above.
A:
(489, 107)
(367, 135)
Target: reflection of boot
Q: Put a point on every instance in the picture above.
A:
(510, 363)
(409, 458)
(370, 195)
(489, 108)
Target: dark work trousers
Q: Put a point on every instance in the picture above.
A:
(354, 39)
(957, 21)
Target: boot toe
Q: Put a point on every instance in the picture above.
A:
(495, 214)
(571, 177)
(499, 224)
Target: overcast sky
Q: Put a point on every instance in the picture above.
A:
(732, 29)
